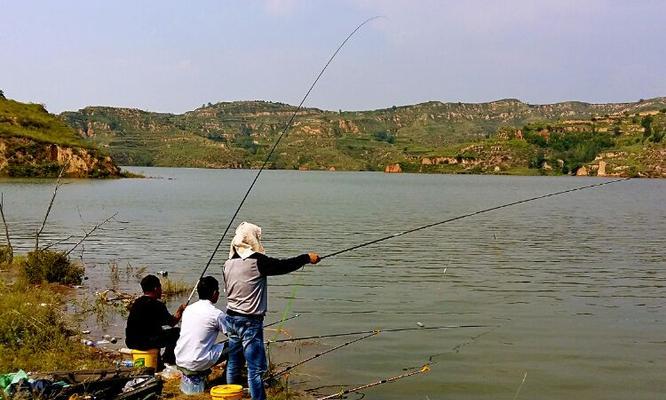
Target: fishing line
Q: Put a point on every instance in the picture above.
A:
(270, 153)
(471, 215)
(333, 335)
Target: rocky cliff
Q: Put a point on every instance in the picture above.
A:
(34, 143)
(23, 157)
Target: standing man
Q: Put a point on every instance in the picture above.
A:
(246, 287)
(146, 318)
(196, 349)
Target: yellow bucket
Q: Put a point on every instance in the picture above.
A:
(227, 392)
(147, 358)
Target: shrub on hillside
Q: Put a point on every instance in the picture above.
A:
(646, 123)
(575, 148)
(385, 136)
(51, 266)
(658, 136)
(45, 169)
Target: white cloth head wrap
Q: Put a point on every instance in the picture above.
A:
(247, 241)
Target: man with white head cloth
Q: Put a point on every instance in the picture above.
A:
(246, 286)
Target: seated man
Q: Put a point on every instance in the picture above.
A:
(197, 350)
(146, 318)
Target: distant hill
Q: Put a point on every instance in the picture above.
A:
(34, 143)
(428, 137)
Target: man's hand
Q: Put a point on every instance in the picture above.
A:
(179, 312)
(314, 258)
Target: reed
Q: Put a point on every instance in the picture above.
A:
(172, 287)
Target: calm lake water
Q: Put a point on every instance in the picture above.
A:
(573, 287)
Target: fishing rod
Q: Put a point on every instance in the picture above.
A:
(289, 368)
(414, 371)
(422, 370)
(471, 215)
(270, 153)
(282, 320)
(332, 335)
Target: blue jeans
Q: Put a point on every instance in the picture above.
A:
(246, 337)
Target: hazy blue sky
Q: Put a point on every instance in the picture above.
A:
(172, 56)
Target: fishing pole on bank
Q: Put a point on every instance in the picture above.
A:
(422, 370)
(486, 210)
(270, 153)
(410, 371)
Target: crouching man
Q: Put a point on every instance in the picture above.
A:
(146, 319)
(197, 350)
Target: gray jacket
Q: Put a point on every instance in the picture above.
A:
(245, 281)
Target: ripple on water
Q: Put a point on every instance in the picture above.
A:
(573, 286)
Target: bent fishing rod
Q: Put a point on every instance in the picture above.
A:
(270, 153)
(486, 210)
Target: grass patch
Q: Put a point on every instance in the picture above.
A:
(35, 333)
(34, 122)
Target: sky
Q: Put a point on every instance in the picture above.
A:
(174, 56)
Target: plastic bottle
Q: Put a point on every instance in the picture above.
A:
(124, 364)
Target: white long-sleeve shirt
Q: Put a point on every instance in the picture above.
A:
(200, 325)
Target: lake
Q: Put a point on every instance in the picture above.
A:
(572, 288)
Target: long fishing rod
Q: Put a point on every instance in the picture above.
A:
(289, 368)
(332, 335)
(270, 153)
(282, 320)
(422, 370)
(470, 215)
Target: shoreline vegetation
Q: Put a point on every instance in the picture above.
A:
(42, 311)
(43, 307)
(40, 323)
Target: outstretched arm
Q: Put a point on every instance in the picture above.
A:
(269, 266)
